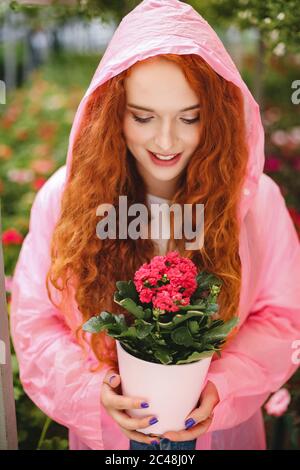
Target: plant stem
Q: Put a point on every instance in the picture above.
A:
(43, 434)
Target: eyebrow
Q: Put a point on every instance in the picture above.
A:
(195, 106)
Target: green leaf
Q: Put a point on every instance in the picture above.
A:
(163, 356)
(105, 321)
(143, 329)
(127, 290)
(189, 314)
(195, 356)
(130, 333)
(97, 323)
(193, 326)
(180, 318)
(130, 306)
(147, 314)
(130, 348)
(193, 307)
(221, 331)
(212, 308)
(182, 336)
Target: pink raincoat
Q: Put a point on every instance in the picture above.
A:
(53, 370)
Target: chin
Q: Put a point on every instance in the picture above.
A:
(166, 177)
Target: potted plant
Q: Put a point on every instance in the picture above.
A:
(166, 344)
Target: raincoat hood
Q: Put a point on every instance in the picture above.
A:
(171, 26)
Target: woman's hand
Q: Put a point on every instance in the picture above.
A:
(113, 402)
(202, 416)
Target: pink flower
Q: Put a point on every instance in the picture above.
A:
(8, 283)
(279, 138)
(295, 136)
(167, 281)
(271, 115)
(11, 237)
(278, 403)
(272, 164)
(20, 175)
(42, 166)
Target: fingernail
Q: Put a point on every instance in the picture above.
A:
(144, 405)
(154, 442)
(153, 421)
(189, 423)
(111, 379)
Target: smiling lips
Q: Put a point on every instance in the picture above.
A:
(164, 160)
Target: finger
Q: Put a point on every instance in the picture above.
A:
(204, 411)
(189, 435)
(118, 401)
(199, 415)
(112, 378)
(130, 423)
(140, 437)
(114, 400)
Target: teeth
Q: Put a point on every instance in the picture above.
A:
(166, 157)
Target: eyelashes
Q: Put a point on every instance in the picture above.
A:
(144, 121)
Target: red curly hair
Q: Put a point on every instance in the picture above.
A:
(103, 168)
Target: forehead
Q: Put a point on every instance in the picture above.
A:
(159, 83)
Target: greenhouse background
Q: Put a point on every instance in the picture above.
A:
(48, 54)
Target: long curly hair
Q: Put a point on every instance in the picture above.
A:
(87, 267)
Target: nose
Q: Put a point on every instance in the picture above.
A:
(165, 138)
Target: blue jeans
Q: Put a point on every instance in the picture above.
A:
(165, 444)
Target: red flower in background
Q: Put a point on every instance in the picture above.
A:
(295, 215)
(12, 237)
(22, 134)
(38, 183)
(11, 116)
(296, 164)
(272, 164)
(5, 152)
(47, 130)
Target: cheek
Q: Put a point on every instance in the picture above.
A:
(134, 133)
(194, 138)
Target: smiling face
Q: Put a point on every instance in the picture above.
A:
(167, 128)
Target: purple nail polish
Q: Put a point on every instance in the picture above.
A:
(153, 421)
(154, 442)
(111, 379)
(144, 405)
(189, 423)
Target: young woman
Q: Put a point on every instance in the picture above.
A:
(165, 86)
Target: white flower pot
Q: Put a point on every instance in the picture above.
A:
(172, 391)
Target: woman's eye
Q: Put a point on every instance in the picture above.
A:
(145, 120)
(141, 119)
(191, 121)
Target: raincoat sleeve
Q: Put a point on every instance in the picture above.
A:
(52, 369)
(262, 356)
